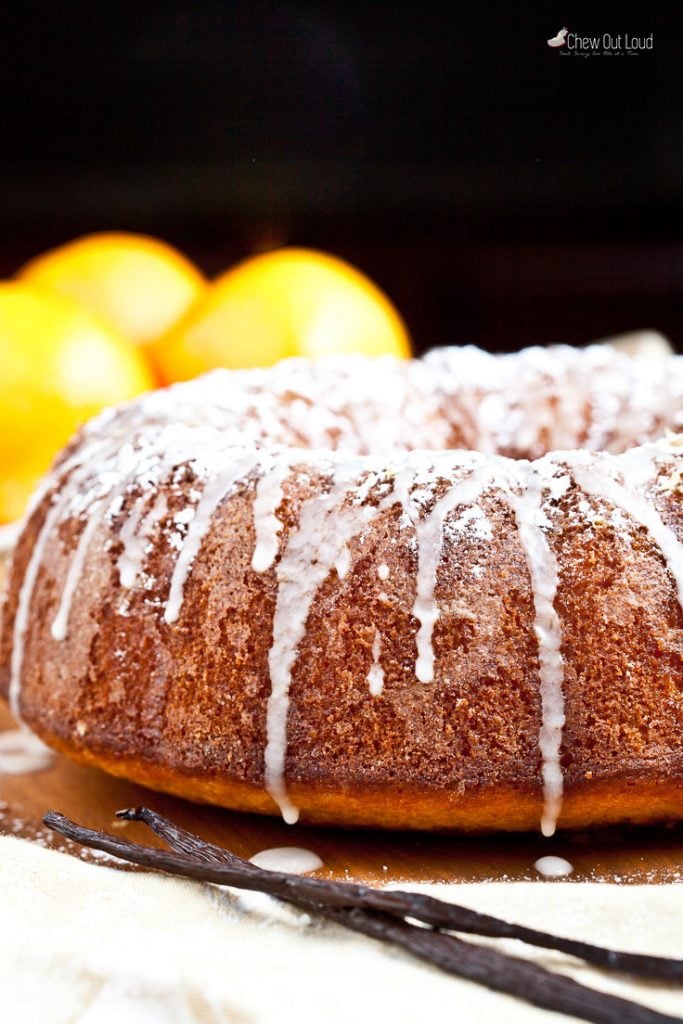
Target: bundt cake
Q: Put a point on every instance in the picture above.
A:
(443, 593)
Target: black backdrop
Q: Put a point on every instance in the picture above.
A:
(503, 192)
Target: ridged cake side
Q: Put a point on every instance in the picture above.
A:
(427, 639)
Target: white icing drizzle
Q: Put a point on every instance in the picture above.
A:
(108, 484)
(429, 536)
(21, 752)
(135, 535)
(60, 622)
(342, 562)
(309, 555)
(21, 618)
(553, 867)
(522, 486)
(526, 502)
(269, 494)
(375, 676)
(133, 553)
(215, 490)
(639, 467)
(71, 472)
(288, 860)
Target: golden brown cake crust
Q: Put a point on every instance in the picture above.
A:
(183, 706)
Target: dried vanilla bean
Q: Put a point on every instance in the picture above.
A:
(353, 906)
(429, 910)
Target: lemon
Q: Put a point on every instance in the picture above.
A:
(60, 365)
(139, 284)
(283, 303)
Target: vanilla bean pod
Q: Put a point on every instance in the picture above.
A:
(499, 971)
(432, 911)
(180, 839)
(496, 970)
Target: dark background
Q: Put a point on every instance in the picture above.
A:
(502, 192)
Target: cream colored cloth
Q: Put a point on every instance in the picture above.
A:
(88, 944)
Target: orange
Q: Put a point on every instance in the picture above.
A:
(60, 365)
(283, 303)
(139, 284)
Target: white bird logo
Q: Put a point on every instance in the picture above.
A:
(559, 39)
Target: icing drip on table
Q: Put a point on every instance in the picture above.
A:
(375, 677)
(21, 753)
(553, 867)
(326, 524)
(290, 860)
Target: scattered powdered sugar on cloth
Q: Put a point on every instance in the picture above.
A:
(96, 945)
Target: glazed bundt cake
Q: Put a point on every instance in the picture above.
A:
(443, 593)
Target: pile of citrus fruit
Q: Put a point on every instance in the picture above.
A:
(105, 317)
